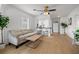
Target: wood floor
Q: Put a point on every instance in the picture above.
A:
(56, 44)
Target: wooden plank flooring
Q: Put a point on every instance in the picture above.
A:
(56, 44)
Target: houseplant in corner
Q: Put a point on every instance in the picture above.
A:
(76, 37)
(3, 23)
(64, 25)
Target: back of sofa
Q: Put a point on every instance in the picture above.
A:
(17, 33)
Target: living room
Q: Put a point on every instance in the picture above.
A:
(48, 26)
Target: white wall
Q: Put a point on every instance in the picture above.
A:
(16, 16)
(75, 22)
(0, 30)
(0, 6)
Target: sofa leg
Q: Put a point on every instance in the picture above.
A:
(17, 47)
(9, 43)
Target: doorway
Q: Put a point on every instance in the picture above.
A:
(56, 27)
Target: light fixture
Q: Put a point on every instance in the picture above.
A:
(46, 13)
(46, 10)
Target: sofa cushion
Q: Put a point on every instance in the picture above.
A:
(26, 35)
(20, 32)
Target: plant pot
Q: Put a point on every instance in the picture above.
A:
(76, 42)
(2, 45)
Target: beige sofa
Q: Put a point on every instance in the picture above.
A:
(17, 37)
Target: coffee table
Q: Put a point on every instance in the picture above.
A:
(34, 37)
(34, 41)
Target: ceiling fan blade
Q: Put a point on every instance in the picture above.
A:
(41, 13)
(52, 10)
(38, 10)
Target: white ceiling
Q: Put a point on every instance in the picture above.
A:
(61, 9)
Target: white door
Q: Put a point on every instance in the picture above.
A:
(55, 27)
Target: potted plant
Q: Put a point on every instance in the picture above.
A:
(76, 35)
(64, 25)
(3, 23)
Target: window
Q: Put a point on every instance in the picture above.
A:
(25, 23)
(44, 23)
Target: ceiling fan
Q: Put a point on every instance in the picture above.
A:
(46, 11)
